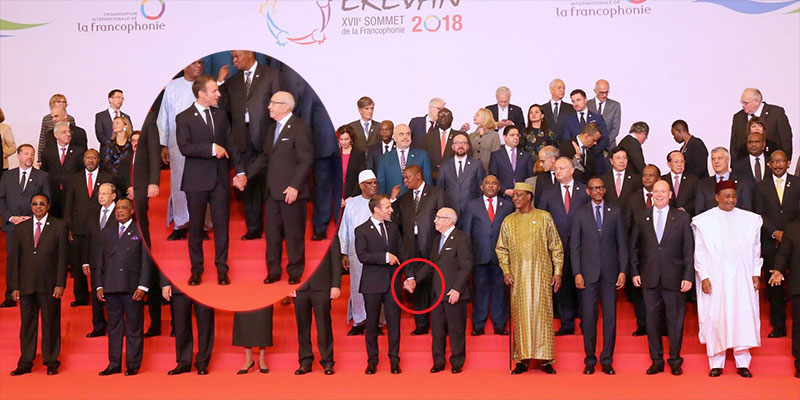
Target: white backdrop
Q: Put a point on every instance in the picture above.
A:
(664, 59)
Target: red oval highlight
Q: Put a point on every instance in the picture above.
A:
(394, 293)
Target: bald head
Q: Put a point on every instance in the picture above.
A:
(557, 89)
(563, 170)
(601, 89)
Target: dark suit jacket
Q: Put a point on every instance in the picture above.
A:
(668, 262)
(147, 158)
(484, 233)
(356, 164)
(599, 253)
(329, 272)
(573, 127)
(288, 161)
(500, 167)
(419, 129)
(636, 206)
(374, 154)
(431, 200)
(776, 216)
(202, 171)
(705, 196)
(564, 110)
(777, 127)
(103, 125)
(788, 257)
(544, 181)
(686, 193)
(13, 202)
(390, 175)
(455, 262)
(743, 169)
(515, 114)
(58, 173)
(123, 264)
(553, 203)
(460, 190)
(433, 145)
(371, 249)
(631, 183)
(566, 149)
(39, 269)
(78, 139)
(79, 206)
(635, 156)
(696, 155)
(361, 142)
(263, 84)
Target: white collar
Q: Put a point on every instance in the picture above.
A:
(110, 208)
(43, 220)
(285, 119)
(656, 209)
(760, 110)
(448, 231)
(252, 70)
(421, 187)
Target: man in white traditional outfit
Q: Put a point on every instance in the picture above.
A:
(356, 211)
(728, 267)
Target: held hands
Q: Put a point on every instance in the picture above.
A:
(686, 285)
(579, 282)
(620, 281)
(409, 285)
(508, 279)
(335, 293)
(556, 283)
(452, 296)
(166, 292)
(509, 192)
(138, 295)
(240, 182)
(778, 236)
(220, 151)
(776, 279)
(291, 195)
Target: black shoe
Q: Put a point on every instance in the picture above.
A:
(264, 370)
(371, 368)
(548, 369)
(419, 331)
(715, 372)
(78, 303)
(588, 370)
(131, 372)
(179, 369)
(293, 281)
(640, 332)
(676, 370)
(96, 333)
(222, 279)
(477, 332)
(520, 368)
(797, 373)
(202, 371)
(251, 235)
(152, 332)
(776, 333)
(609, 370)
(246, 370)
(8, 303)
(269, 280)
(52, 370)
(328, 369)
(437, 368)
(501, 332)
(356, 330)
(456, 370)
(655, 368)
(195, 279)
(319, 236)
(205, 236)
(110, 371)
(396, 368)
(304, 369)
(562, 332)
(380, 331)
(20, 371)
(744, 372)
(177, 234)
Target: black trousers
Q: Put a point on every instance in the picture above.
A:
(77, 252)
(125, 318)
(634, 295)
(285, 221)
(30, 305)
(489, 293)
(181, 310)
(10, 243)
(775, 295)
(324, 193)
(449, 320)
(607, 294)
(98, 309)
(565, 297)
(422, 298)
(372, 304)
(796, 330)
(253, 195)
(658, 300)
(219, 199)
(318, 302)
(142, 206)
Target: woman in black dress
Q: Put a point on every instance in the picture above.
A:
(115, 157)
(537, 134)
(253, 329)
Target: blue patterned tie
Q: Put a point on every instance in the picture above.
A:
(277, 133)
(598, 217)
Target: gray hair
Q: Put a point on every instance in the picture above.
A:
(58, 124)
(640, 127)
(436, 100)
(722, 150)
(549, 151)
(755, 93)
(449, 214)
(502, 90)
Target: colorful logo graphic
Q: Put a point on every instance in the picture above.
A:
(152, 17)
(6, 25)
(282, 36)
(751, 6)
(636, 1)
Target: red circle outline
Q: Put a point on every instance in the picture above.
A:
(394, 293)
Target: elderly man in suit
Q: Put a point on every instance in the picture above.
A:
(693, 149)
(556, 110)
(705, 196)
(619, 183)
(103, 120)
(632, 143)
(17, 187)
(682, 184)
(123, 271)
(99, 218)
(385, 145)
(366, 128)
(662, 263)
(510, 164)
(609, 109)
(393, 163)
(59, 114)
(60, 162)
(481, 222)
(205, 139)
(774, 117)
(421, 126)
(38, 277)
(504, 112)
(788, 257)
(460, 177)
(599, 257)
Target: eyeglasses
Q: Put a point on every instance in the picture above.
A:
(603, 93)
(597, 188)
(39, 204)
(271, 102)
(747, 102)
(461, 143)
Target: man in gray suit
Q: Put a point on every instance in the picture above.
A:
(608, 108)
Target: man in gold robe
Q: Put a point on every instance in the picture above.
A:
(531, 257)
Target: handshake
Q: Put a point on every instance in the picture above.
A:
(240, 181)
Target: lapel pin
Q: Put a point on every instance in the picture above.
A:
(288, 127)
(608, 209)
(196, 114)
(647, 219)
(129, 233)
(257, 76)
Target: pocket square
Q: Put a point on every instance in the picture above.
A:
(134, 238)
(284, 139)
(448, 248)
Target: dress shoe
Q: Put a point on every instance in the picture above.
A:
(419, 331)
(501, 332)
(131, 372)
(588, 370)
(264, 370)
(222, 279)
(609, 370)
(371, 368)
(456, 370)
(52, 370)
(477, 332)
(78, 303)
(563, 332)
(205, 235)
(328, 369)
(797, 373)
(744, 372)
(8, 303)
(777, 333)
(715, 372)
(640, 332)
(655, 368)
(396, 368)
(519, 368)
(676, 370)
(179, 369)
(110, 371)
(246, 370)
(380, 331)
(20, 371)
(269, 280)
(548, 369)
(202, 371)
(177, 234)
(437, 368)
(96, 334)
(294, 281)
(319, 236)
(356, 330)
(195, 279)
(251, 235)
(304, 369)
(152, 332)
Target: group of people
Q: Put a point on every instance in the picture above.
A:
(528, 220)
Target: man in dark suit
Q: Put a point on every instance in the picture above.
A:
(632, 143)
(451, 251)
(504, 112)
(315, 296)
(774, 117)
(60, 162)
(59, 114)
(682, 185)
(705, 196)
(181, 311)
(599, 257)
(555, 110)
(123, 290)
(620, 183)
(366, 128)
(204, 138)
(563, 202)
(788, 257)
(547, 177)
(385, 145)
(416, 210)
(662, 263)
(755, 166)
(481, 222)
(100, 217)
(439, 141)
(694, 150)
(245, 98)
(582, 151)
(80, 205)
(287, 158)
(38, 275)
(573, 126)
(378, 244)
(777, 198)
(17, 187)
(510, 164)
(420, 126)
(393, 163)
(460, 177)
(103, 120)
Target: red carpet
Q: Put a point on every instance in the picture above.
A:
(485, 375)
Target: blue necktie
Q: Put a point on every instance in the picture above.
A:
(660, 226)
(441, 242)
(277, 133)
(598, 217)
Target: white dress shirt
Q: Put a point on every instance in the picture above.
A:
(36, 221)
(762, 161)
(571, 185)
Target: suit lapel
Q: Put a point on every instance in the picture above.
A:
(422, 198)
(256, 75)
(281, 134)
(45, 230)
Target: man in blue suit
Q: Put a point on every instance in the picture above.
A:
(599, 255)
(392, 164)
(562, 202)
(481, 221)
(460, 177)
(573, 125)
(510, 164)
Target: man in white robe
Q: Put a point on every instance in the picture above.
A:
(728, 267)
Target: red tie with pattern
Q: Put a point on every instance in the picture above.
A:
(567, 199)
(490, 210)
(37, 234)
(90, 185)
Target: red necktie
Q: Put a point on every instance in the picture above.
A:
(443, 141)
(490, 210)
(116, 113)
(37, 234)
(431, 127)
(63, 154)
(90, 185)
(649, 202)
(567, 199)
